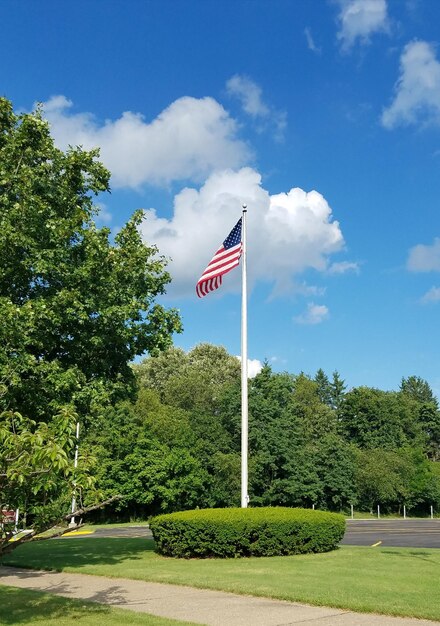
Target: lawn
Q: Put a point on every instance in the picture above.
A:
(23, 607)
(395, 581)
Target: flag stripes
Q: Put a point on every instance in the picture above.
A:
(224, 260)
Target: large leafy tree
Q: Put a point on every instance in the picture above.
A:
(421, 393)
(145, 453)
(372, 418)
(197, 384)
(75, 307)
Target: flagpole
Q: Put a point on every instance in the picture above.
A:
(244, 371)
(75, 465)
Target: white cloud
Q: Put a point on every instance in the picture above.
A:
(187, 141)
(277, 359)
(342, 267)
(254, 367)
(433, 295)
(423, 258)
(287, 232)
(310, 42)
(309, 290)
(315, 314)
(359, 19)
(417, 92)
(250, 96)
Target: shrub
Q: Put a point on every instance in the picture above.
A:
(269, 531)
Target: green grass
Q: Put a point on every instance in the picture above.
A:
(395, 581)
(25, 607)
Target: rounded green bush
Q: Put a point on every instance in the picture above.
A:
(268, 531)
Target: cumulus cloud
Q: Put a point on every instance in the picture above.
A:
(187, 141)
(250, 96)
(315, 314)
(254, 367)
(423, 258)
(359, 19)
(417, 91)
(433, 295)
(287, 233)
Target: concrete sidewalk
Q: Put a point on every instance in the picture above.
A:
(212, 608)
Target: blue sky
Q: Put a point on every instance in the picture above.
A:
(323, 116)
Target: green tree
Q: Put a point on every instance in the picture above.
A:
(197, 383)
(281, 470)
(145, 453)
(372, 418)
(418, 389)
(393, 478)
(338, 388)
(420, 392)
(75, 307)
(335, 465)
(195, 380)
(324, 387)
(37, 475)
(317, 418)
(378, 479)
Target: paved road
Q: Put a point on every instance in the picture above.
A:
(122, 531)
(413, 533)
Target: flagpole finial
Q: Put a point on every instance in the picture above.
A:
(244, 207)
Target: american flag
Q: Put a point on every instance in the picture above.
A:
(224, 260)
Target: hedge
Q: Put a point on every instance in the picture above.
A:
(268, 531)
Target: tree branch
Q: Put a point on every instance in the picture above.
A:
(87, 509)
(7, 546)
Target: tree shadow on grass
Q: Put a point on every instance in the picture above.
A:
(421, 556)
(57, 554)
(20, 606)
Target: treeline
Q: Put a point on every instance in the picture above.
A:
(311, 441)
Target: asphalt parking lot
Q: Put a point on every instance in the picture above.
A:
(404, 533)
(411, 533)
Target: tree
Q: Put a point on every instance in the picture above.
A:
(418, 389)
(378, 480)
(324, 387)
(393, 478)
(317, 418)
(196, 383)
(38, 477)
(372, 418)
(75, 308)
(193, 380)
(335, 463)
(338, 388)
(420, 392)
(281, 469)
(145, 453)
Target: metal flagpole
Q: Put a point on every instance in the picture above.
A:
(75, 465)
(244, 371)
